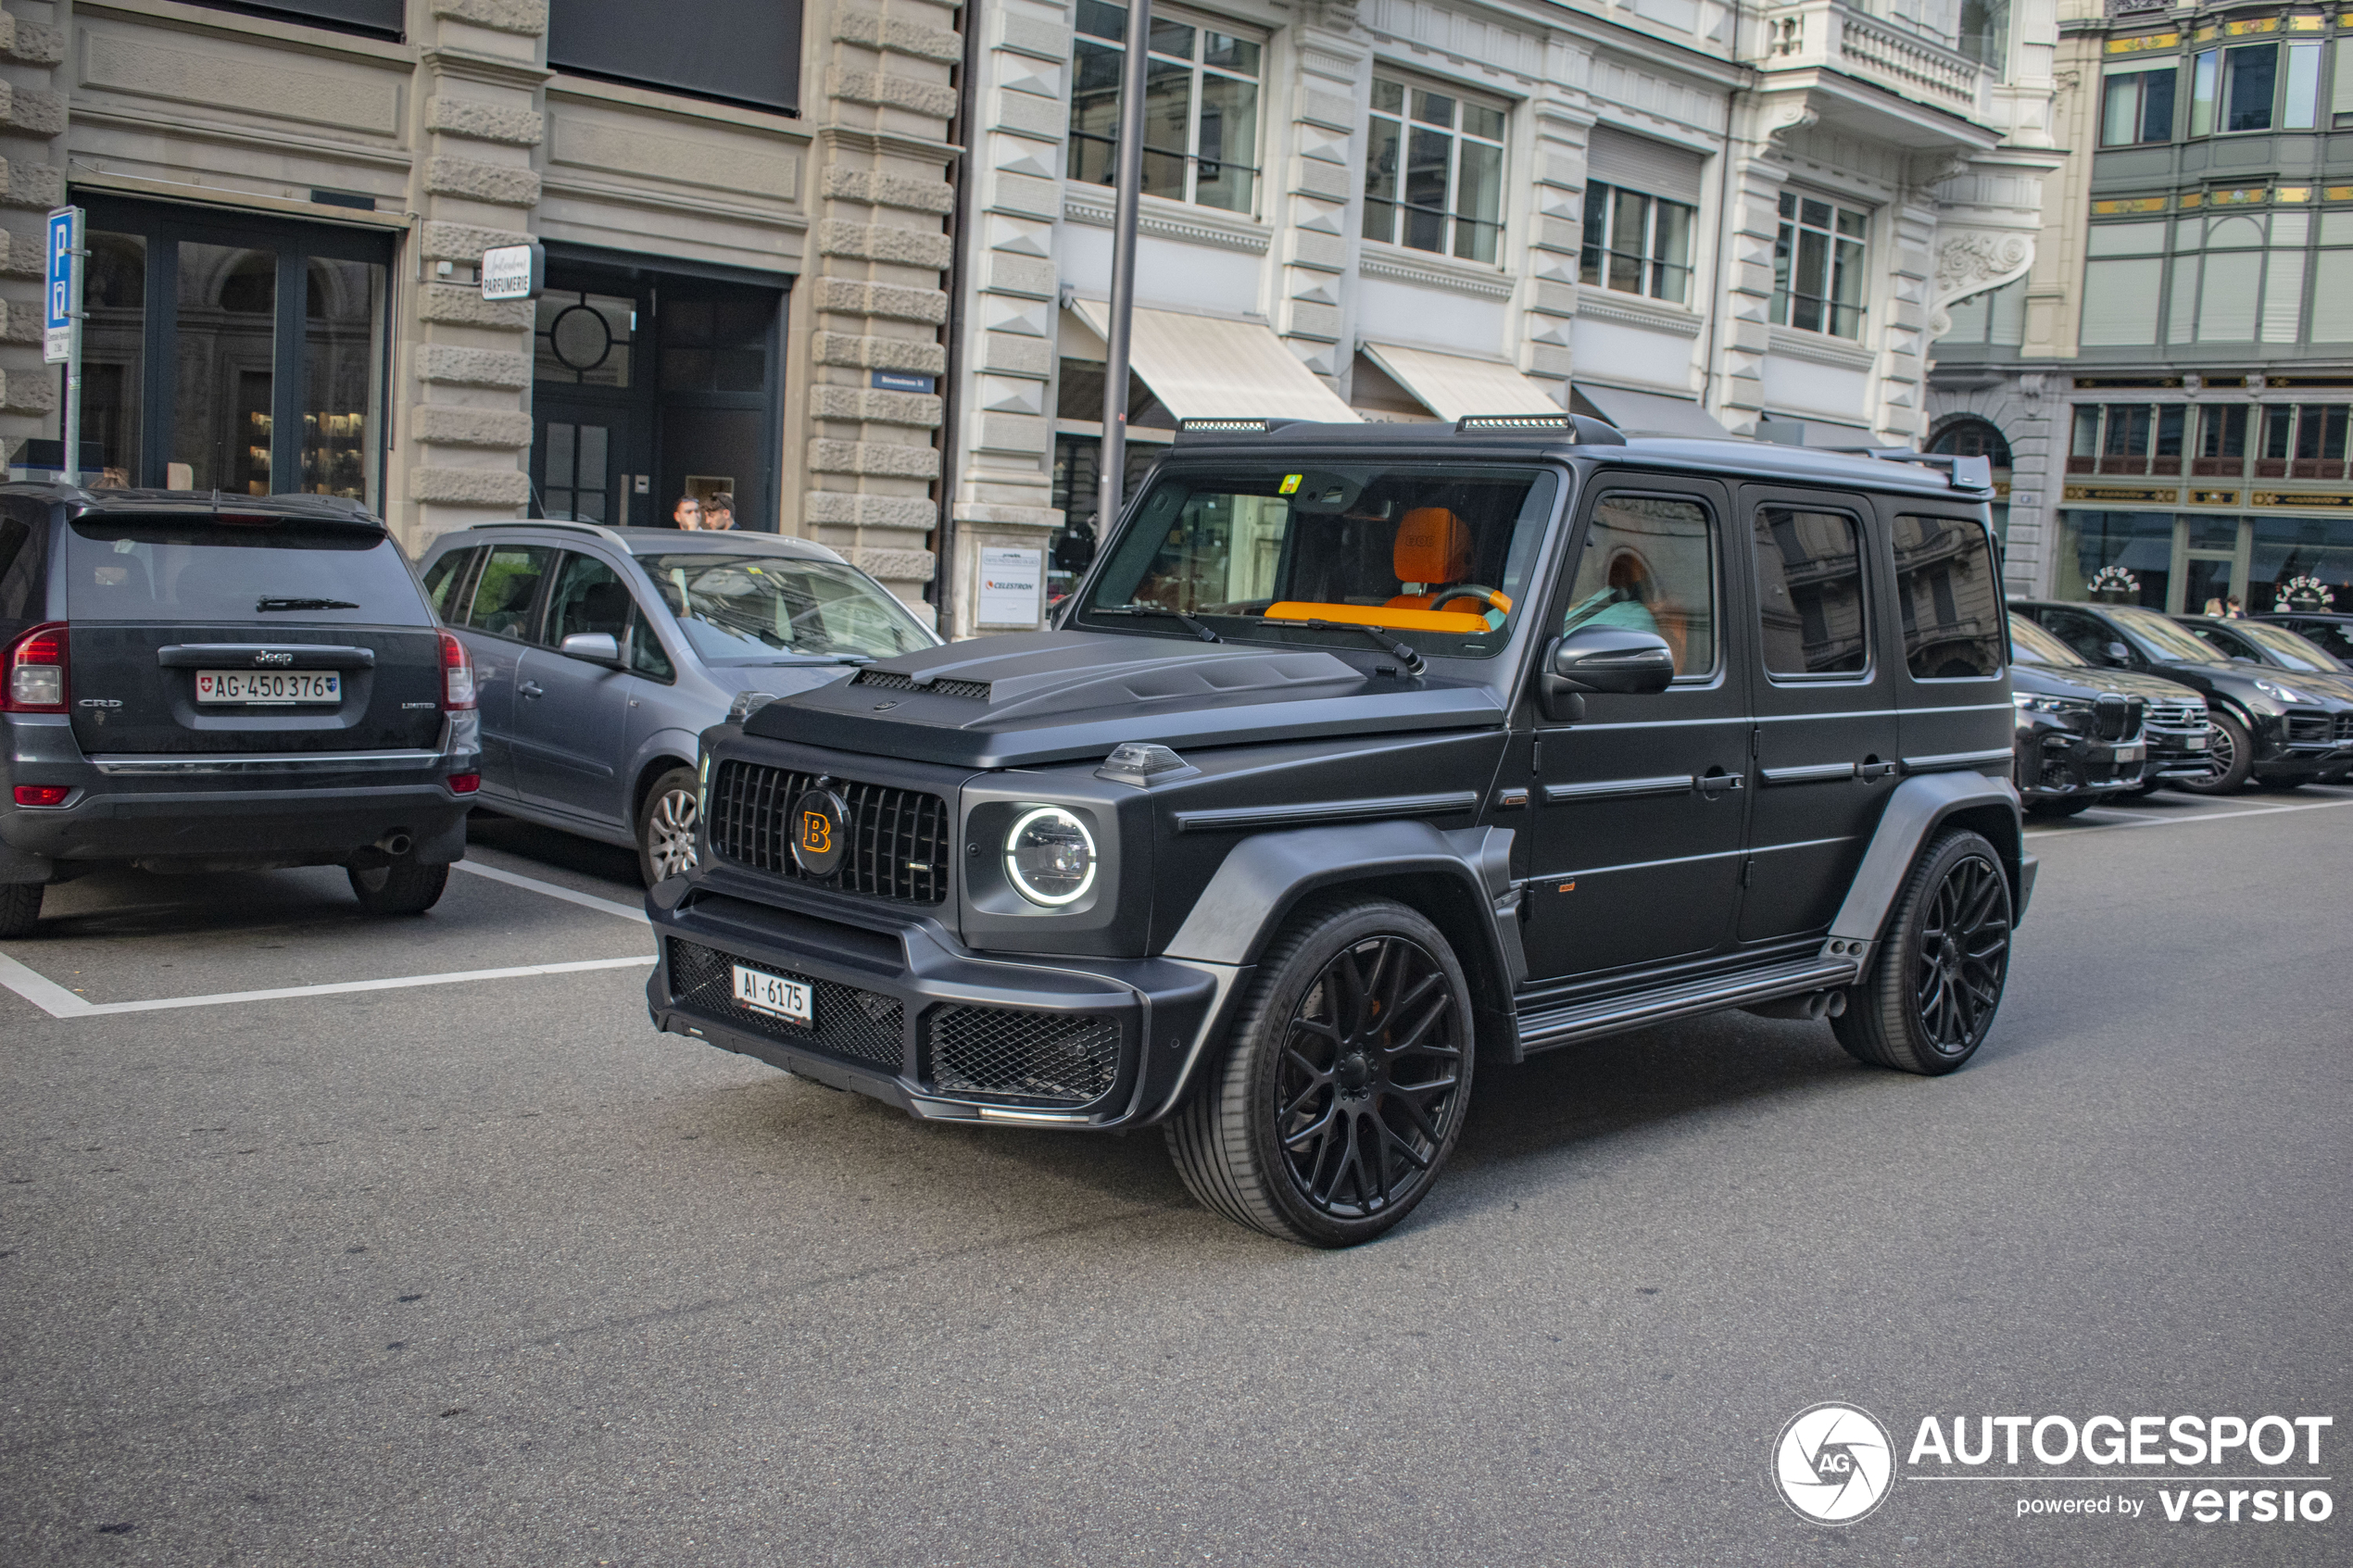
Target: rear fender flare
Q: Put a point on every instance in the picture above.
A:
(1920, 806)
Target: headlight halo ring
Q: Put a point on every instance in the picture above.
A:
(1082, 880)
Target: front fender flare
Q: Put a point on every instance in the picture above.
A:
(1921, 805)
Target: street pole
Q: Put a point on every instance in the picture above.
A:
(61, 327)
(1128, 189)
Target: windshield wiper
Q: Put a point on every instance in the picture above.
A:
(1195, 627)
(266, 603)
(1412, 661)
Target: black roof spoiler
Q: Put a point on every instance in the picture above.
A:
(1962, 473)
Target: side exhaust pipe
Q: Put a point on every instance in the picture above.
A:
(1813, 1007)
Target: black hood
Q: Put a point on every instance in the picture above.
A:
(2238, 681)
(2078, 680)
(1035, 697)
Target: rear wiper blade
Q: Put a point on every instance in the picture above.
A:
(265, 603)
(1402, 654)
(1195, 627)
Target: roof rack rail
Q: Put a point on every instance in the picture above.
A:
(1582, 429)
(1962, 473)
(598, 529)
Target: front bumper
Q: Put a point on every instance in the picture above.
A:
(2062, 763)
(196, 810)
(902, 1011)
(2176, 754)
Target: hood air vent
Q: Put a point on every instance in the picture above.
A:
(890, 680)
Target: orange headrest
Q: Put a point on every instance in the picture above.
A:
(1432, 547)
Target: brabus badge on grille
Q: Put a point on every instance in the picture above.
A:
(820, 831)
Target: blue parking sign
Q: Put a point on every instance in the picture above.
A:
(65, 241)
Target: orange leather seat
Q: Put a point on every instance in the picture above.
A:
(1433, 549)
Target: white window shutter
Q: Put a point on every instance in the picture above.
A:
(2119, 301)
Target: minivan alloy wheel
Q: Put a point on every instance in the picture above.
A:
(666, 827)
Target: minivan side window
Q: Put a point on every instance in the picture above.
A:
(1809, 592)
(446, 579)
(510, 582)
(645, 657)
(1950, 597)
(590, 597)
(1650, 563)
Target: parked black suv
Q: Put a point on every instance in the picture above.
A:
(2333, 635)
(2265, 729)
(1364, 752)
(199, 683)
(2085, 734)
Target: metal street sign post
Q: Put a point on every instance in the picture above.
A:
(61, 327)
(1128, 190)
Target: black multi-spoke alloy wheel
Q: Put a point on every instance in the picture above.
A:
(2229, 756)
(1930, 993)
(20, 909)
(403, 887)
(1344, 1087)
(666, 824)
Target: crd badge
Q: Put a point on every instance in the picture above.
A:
(820, 830)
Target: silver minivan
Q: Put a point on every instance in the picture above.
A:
(601, 654)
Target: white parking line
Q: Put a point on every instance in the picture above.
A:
(58, 1002)
(2185, 822)
(586, 901)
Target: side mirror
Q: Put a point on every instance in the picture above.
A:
(593, 648)
(1619, 660)
(2118, 654)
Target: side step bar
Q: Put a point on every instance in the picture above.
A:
(1545, 1029)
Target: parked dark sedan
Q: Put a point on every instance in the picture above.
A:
(2301, 660)
(2276, 732)
(2331, 633)
(2086, 734)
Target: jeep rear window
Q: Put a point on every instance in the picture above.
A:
(265, 570)
(1437, 556)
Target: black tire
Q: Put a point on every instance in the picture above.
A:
(1930, 994)
(667, 821)
(20, 909)
(402, 888)
(1307, 1062)
(2142, 791)
(2065, 806)
(2230, 755)
(2281, 786)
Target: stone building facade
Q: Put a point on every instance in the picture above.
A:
(744, 205)
(1686, 216)
(2167, 392)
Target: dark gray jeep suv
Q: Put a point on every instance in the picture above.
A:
(1362, 755)
(201, 683)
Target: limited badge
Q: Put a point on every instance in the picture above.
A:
(820, 831)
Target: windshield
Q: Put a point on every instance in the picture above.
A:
(2031, 644)
(1438, 557)
(2287, 647)
(208, 568)
(749, 609)
(2165, 639)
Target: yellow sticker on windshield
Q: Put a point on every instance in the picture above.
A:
(1290, 482)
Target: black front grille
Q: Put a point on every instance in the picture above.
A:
(2112, 718)
(2344, 726)
(2178, 716)
(1066, 1059)
(891, 681)
(2307, 729)
(845, 1021)
(897, 837)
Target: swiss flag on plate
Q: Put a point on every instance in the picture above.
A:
(204, 685)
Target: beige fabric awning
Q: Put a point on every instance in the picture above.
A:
(1456, 386)
(1212, 367)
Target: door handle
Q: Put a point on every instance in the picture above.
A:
(1713, 784)
(531, 688)
(1871, 773)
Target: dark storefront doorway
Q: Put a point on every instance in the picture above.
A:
(649, 384)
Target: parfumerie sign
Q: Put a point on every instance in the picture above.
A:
(513, 272)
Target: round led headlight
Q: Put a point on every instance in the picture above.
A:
(1050, 857)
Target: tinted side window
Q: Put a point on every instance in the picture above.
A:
(1950, 597)
(20, 573)
(2080, 632)
(446, 578)
(510, 582)
(1809, 592)
(1650, 563)
(2329, 635)
(2230, 645)
(590, 596)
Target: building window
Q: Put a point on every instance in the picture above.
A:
(2303, 441)
(2221, 440)
(2139, 105)
(2300, 97)
(2248, 77)
(1434, 172)
(2136, 438)
(1818, 267)
(736, 51)
(375, 18)
(1200, 107)
(1986, 33)
(1637, 244)
(241, 355)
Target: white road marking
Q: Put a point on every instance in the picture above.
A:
(58, 1002)
(2187, 822)
(586, 901)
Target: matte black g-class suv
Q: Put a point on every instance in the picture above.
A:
(1362, 753)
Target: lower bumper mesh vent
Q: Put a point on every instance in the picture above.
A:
(1068, 1058)
(863, 1025)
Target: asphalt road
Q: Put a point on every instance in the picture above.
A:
(487, 1272)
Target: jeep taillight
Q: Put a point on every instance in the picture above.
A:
(457, 674)
(37, 672)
